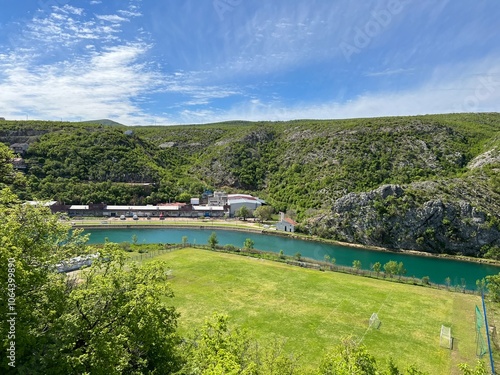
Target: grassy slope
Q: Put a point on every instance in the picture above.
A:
(314, 310)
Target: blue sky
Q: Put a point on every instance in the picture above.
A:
(196, 61)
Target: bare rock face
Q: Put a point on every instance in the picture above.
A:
(488, 157)
(403, 218)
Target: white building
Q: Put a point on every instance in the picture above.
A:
(219, 198)
(236, 201)
(286, 224)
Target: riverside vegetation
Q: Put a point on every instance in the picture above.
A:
(426, 183)
(117, 317)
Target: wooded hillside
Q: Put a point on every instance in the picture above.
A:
(440, 166)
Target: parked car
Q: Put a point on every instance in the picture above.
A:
(135, 217)
(122, 217)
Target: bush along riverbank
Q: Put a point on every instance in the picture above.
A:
(391, 271)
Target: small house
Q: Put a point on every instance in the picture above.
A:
(286, 224)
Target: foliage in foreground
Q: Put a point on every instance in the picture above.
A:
(217, 349)
(108, 319)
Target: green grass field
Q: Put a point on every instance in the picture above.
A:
(313, 310)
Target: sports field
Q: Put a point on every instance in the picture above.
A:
(313, 310)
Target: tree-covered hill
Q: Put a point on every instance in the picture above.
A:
(311, 167)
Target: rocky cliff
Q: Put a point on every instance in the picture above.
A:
(453, 217)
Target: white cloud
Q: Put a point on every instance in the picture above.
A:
(97, 86)
(75, 64)
(389, 72)
(68, 9)
(111, 18)
(449, 91)
(282, 36)
(89, 78)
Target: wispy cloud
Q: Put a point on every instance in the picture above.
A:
(452, 92)
(113, 18)
(103, 79)
(389, 72)
(179, 62)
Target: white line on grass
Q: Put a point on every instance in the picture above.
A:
(380, 308)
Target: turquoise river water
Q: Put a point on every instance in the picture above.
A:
(437, 269)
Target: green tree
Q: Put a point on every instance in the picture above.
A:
(6, 169)
(115, 321)
(184, 197)
(479, 369)
(401, 271)
(184, 241)
(447, 282)
(348, 358)
(263, 213)
(243, 212)
(376, 267)
(356, 264)
(248, 244)
(391, 268)
(109, 320)
(493, 252)
(330, 261)
(213, 241)
(298, 255)
(134, 239)
(493, 286)
(217, 349)
(481, 285)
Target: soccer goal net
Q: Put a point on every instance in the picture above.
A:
(445, 340)
(374, 321)
(481, 348)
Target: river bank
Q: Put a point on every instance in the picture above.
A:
(254, 227)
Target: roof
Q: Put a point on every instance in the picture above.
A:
(79, 207)
(128, 208)
(249, 197)
(290, 221)
(243, 200)
(208, 208)
(240, 196)
(19, 145)
(143, 208)
(38, 203)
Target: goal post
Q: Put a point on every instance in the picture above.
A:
(445, 339)
(375, 321)
(481, 348)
